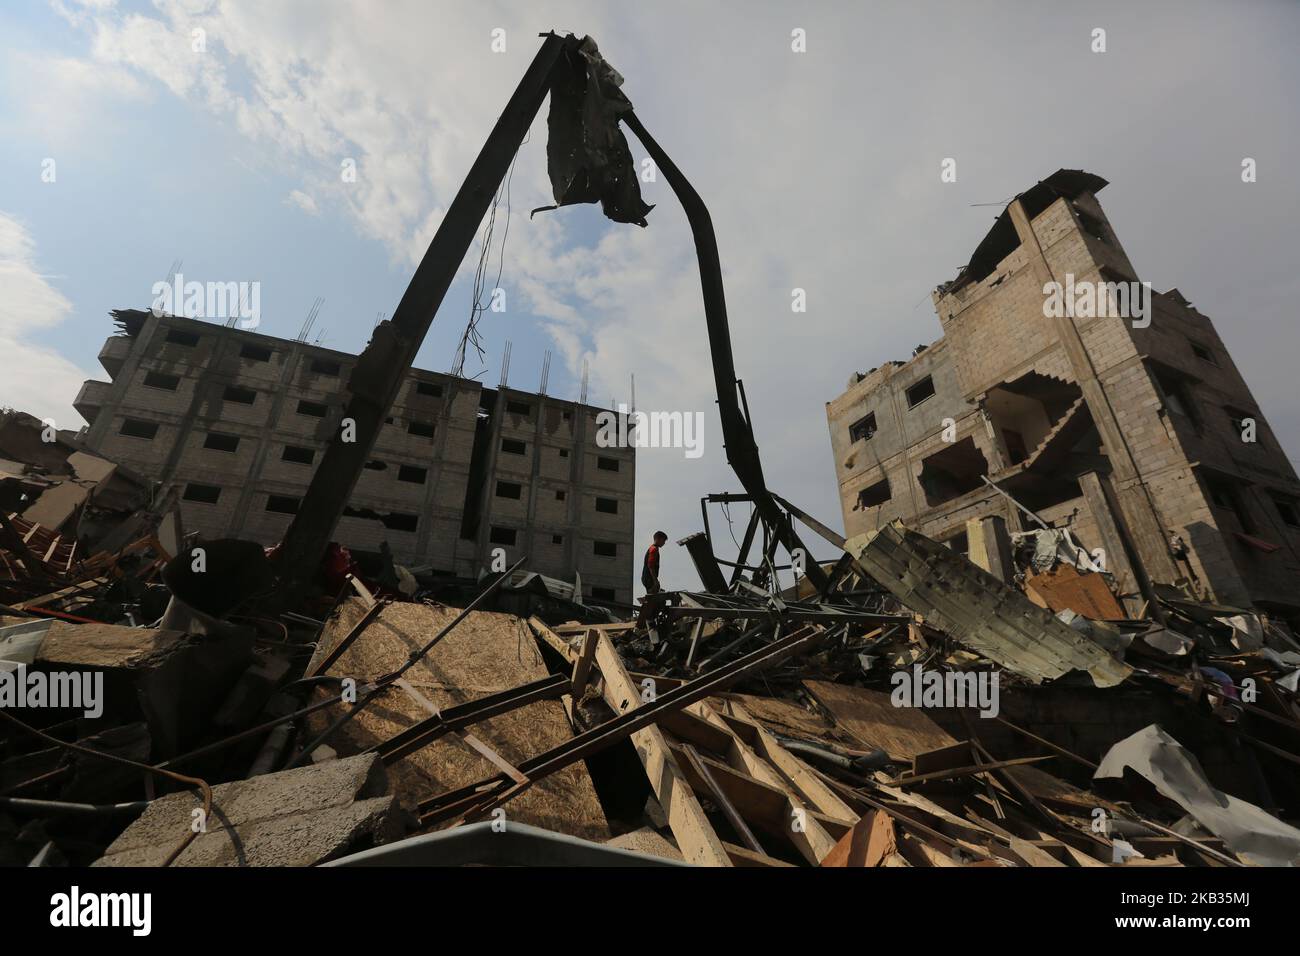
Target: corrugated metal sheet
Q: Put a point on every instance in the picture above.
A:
(979, 610)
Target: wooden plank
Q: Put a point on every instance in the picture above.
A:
(955, 772)
(582, 667)
(869, 842)
(557, 643)
(684, 725)
(803, 830)
(743, 857)
(65, 592)
(797, 774)
(758, 802)
(719, 796)
(574, 628)
(690, 826)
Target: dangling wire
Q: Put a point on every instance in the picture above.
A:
(471, 336)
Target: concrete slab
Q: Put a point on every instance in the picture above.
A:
(294, 818)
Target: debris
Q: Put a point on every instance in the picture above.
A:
(1253, 834)
(294, 818)
(978, 610)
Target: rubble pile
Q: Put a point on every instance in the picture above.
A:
(158, 709)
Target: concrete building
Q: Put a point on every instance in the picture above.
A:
(237, 420)
(1132, 427)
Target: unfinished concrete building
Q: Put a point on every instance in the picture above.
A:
(1134, 430)
(237, 421)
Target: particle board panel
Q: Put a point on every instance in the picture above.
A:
(486, 653)
(902, 732)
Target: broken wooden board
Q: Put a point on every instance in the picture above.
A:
(695, 837)
(902, 732)
(871, 842)
(787, 717)
(1064, 588)
(486, 653)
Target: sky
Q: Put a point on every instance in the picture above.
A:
(214, 134)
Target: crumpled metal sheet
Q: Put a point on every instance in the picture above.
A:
(1254, 835)
(979, 610)
(587, 156)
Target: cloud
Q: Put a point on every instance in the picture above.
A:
(34, 379)
(820, 171)
(304, 202)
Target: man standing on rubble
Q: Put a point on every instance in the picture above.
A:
(650, 571)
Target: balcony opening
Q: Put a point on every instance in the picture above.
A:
(953, 471)
(874, 495)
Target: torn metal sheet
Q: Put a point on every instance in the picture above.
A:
(1250, 832)
(979, 610)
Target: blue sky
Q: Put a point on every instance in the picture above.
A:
(820, 170)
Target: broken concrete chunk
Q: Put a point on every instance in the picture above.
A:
(297, 817)
(171, 679)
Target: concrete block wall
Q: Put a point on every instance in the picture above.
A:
(994, 331)
(557, 448)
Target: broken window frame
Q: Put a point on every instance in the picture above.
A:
(863, 428)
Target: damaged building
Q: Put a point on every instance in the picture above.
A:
(1044, 723)
(1135, 431)
(237, 421)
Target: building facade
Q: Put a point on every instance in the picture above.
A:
(237, 421)
(1127, 421)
